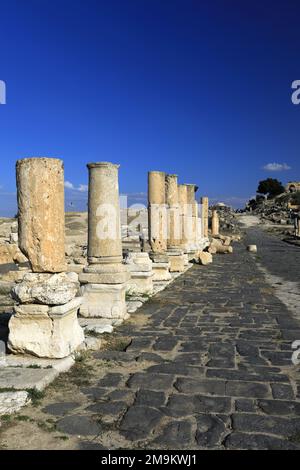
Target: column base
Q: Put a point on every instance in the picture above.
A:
(140, 283)
(104, 301)
(141, 275)
(44, 331)
(177, 261)
(161, 272)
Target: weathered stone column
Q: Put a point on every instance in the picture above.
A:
(104, 233)
(174, 228)
(191, 218)
(215, 223)
(40, 184)
(182, 196)
(157, 212)
(175, 254)
(158, 225)
(104, 279)
(204, 202)
(45, 318)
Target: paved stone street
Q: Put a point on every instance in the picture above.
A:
(207, 366)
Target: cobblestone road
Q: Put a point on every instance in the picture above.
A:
(209, 367)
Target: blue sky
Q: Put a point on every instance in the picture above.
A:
(197, 88)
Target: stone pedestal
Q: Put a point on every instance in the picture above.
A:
(160, 267)
(103, 281)
(141, 275)
(45, 320)
(161, 272)
(45, 331)
(103, 300)
(177, 261)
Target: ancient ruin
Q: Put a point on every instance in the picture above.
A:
(158, 226)
(45, 315)
(174, 251)
(204, 218)
(104, 279)
(215, 226)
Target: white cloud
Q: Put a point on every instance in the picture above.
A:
(276, 167)
(69, 185)
(82, 188)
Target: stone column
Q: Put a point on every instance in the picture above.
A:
(175, 254)
(40, 185)
(202, 242)
(215, 223)
(182, 197)
(204, 202)
(45, 317)
(104, 279)
(157, 225)
(191, 218)
(157, 212)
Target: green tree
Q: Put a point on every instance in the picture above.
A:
(271, 186)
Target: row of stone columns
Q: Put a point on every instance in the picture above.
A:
(45, 321)
(174, 215)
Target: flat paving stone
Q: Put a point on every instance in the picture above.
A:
(139, 421)
(22, 378)
(243, 441)
(79, 425)
(210, 430)
(151, 381)
(60, 409)
(177, 434)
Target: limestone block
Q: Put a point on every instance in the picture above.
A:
(115, 273)
(138, 262)
(212, 249)
(140, 283)
(176, 263)
(161, 272)
(40, 184)
(224, 249)
(252, 248)
(52, 332)
(103, 300)
(216, 242)
(186, 259)
(159, 258)
(49, 289)
(11, 402)
(205, 258)
(13, 238)
(10, 253)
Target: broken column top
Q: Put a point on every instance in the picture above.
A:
(191, 193)
(40, 187)
(182, 193)
(39, 161)
(171, 190)
(103, 165)
(156, 187)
